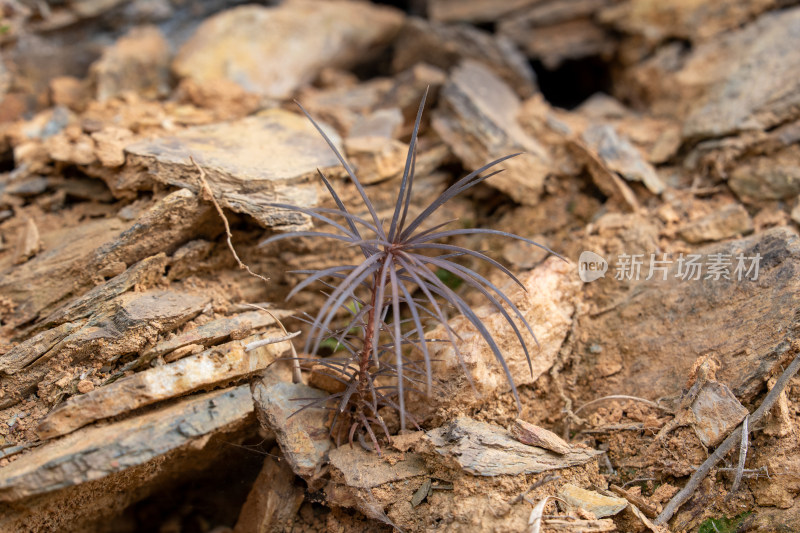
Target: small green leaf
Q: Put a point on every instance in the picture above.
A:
(723, 524)
(331, 344)
(449, 279)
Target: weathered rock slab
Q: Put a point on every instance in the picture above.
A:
(272, 502)
(94, 453)
(477, 119)
(756, 310)
(205, 370)
(716, 413)
(730, 221)
(364, 470)
(487, 450)
(302, 435)
(588, 500)
(275, 50)
(249, 163)
(138, 62)
(547, 305)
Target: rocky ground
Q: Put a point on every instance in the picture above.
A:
(141, 142)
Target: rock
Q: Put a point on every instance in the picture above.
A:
(376, 159)
(547, 305)
(382, 123)
(122, 326)
(138, 62)
(447, 46)
(329, 379)
(654, 357)
(755, 83)
(94, 453)
(730, 221)
(67, 265)
(205, 370)
(69, 92)
(356, 467)
(523, 255)
(143, 273)
(28, 242)
(772, 176)
(597, 504)
(473, 10)
(85, 386)
(344, 107)
(70, 146)
(796, 211)
(110, 143)
(28, 187)
(487, 450)
(226, 99)
(553, 32)
(273, 501)
(688, 20)
(409, 86)
(35, 347)
(249, 163)
(716, 413)
(609, 183)
(477, 119)
(620, 156)
(275, 50)
(302, 435)
(533, 435)
(217, 330)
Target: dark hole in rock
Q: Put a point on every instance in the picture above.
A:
(209, 498)
(574, 81)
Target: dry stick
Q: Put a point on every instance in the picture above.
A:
(270, 340)
(723, 449)
(546, 479)
(296, 376)
(207, 190)
(620, 397)
(742, 456)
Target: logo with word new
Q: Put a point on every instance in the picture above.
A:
(591, 266)
(633, 267)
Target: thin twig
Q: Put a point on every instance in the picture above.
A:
(742, 456)
(296, 376)
(723, 449)
(207, 190)
(547, 479)
(619, 397)
(270, 340)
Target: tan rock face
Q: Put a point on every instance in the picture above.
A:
(591, 501)
(269, 157)
(728, 222)
(139, 62)
(547, 305)
(478, 122)
(275, 50)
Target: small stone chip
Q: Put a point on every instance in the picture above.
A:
(422, 493)
(527, 433)
(85, 386)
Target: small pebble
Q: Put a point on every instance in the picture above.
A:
(85, 386)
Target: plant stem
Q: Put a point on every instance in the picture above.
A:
(366, 350)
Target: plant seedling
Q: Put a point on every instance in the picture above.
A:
(398, 274)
